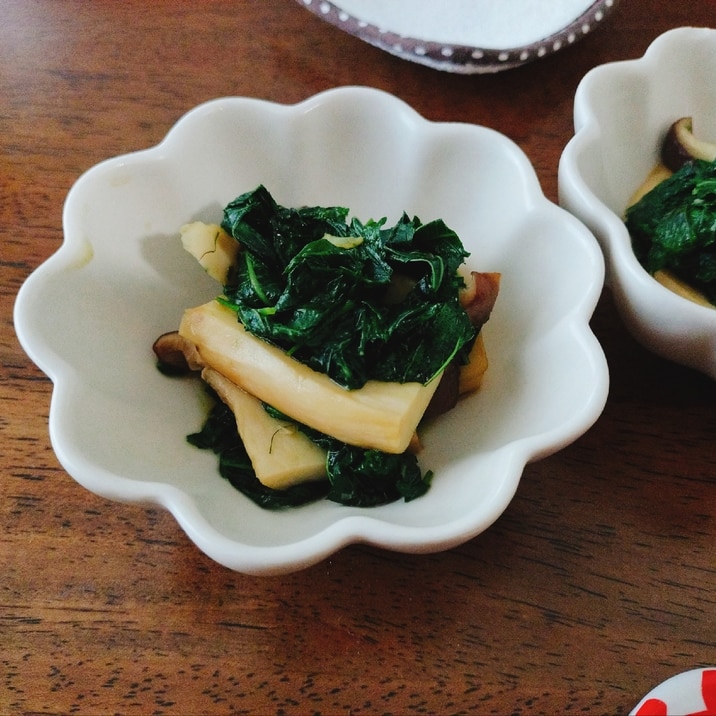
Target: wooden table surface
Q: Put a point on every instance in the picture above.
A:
(598, 582)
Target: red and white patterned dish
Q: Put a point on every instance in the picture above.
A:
(691, 693)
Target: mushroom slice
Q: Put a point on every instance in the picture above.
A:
(479, 295)
(675, 284)
(176, 355)
(681, 146)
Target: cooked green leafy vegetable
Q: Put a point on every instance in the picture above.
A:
(219, 434)
(355, 301)
(322, 288)
(366, 478)
(673, 227)
(358, 477)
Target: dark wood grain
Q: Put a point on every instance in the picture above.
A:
(598, 581)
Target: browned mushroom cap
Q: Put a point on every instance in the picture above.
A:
(680, 146)
(447, 393)
(479, 296)
(176, 355)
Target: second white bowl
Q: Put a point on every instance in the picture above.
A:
(621, 113)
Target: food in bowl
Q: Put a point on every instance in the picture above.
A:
(120, 432)
(672, 217)
(332, 341)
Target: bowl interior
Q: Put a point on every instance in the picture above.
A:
(633, 103)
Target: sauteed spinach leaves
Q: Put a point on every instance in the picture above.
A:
(358, 477)
(220, 435)
(357, 301)
(673, 226)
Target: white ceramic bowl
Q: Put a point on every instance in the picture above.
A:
(621, 113)
(89, 315)
(465, 36)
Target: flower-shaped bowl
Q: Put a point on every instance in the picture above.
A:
(89, 315)
(622, 112)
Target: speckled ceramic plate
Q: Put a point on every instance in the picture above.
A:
(466, 36)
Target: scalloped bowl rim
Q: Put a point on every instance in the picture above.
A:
(667, 324)
(85, 253)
